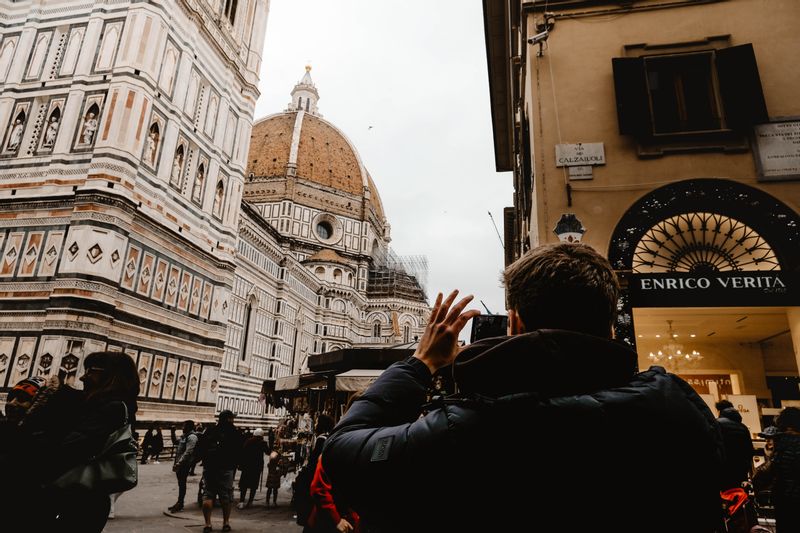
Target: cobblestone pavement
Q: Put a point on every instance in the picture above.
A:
(144, 509)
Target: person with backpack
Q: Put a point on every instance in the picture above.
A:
(220, 450)
(184, 458)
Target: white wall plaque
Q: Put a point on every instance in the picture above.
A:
(778, 150)
(580, 173)
(747, 406)
(580, 154)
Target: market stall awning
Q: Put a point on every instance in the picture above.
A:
(301, 381)
(357, 379)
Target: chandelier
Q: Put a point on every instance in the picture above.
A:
(673, 353)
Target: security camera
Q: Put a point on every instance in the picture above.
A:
(539, 37)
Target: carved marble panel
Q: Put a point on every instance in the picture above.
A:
(209, 384)
(184, 291)
(6, 354)
(70, 57)
(194, 383)
(146, 274)
(173, 286)
(205, 305)
(11, 254)
(38, 55)
(31, 253)
(160, 280)
(7, 48)
(23, 360)
(182, 383)
(157, 376)
(170, 379)
(143, 366)
(109, 44)
(195, 296)
(130, 267)
(169, 68)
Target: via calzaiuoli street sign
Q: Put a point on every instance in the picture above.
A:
(717, 289)
(580, 154)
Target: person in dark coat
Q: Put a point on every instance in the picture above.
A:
(220, 449)
(786, 471)
(738, 445)
(251, 466)
(609, 449)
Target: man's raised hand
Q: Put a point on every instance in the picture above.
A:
(439, 344)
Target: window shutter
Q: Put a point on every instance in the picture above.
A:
(740, 87)
(633, 106)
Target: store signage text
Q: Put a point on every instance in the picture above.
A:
(717, 289)
(738, 282)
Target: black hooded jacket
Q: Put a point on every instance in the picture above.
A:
(553, 429)
(738, 447)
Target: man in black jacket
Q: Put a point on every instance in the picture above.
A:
(220, 450)
(738, 445)
(595, 445)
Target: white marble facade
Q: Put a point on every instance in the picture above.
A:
(124, 130)
(123, 156)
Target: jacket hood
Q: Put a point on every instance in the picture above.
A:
(731, 414)
(550, 363)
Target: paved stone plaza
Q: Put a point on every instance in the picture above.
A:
(144, 509)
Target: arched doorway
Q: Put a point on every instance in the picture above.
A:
(714, 263)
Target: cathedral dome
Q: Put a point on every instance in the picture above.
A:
(301, 144)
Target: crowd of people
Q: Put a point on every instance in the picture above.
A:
(607, 447)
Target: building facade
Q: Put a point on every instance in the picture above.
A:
(125, 134)
(315, 272)
(123, 165)
(663, 134)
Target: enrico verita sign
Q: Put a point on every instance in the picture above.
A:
(717, 289)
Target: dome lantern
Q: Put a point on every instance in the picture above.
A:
(305, 95)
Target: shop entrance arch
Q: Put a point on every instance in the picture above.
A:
(711, 263)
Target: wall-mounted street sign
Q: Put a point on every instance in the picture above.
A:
(581, 154)
(778, 150)
(717, 289)
(580, 173)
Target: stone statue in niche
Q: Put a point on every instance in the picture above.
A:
(198, 184)
(89, 128)
(15, 138)
(177, 167)
(152, 144)
(52, 130)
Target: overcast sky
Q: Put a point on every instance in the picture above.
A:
(415, 71)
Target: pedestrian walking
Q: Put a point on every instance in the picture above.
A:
(219, 450)
(184, 458)
(251, 466)
(611, 449)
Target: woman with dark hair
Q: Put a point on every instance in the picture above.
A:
(65, 428)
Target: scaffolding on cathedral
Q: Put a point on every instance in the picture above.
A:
(395, 275)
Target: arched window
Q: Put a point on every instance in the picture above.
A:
(350, 279)
(376, 329)
(248, 315)
(320, 272)
(230, 10)
(219, 196)
(337, 276)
